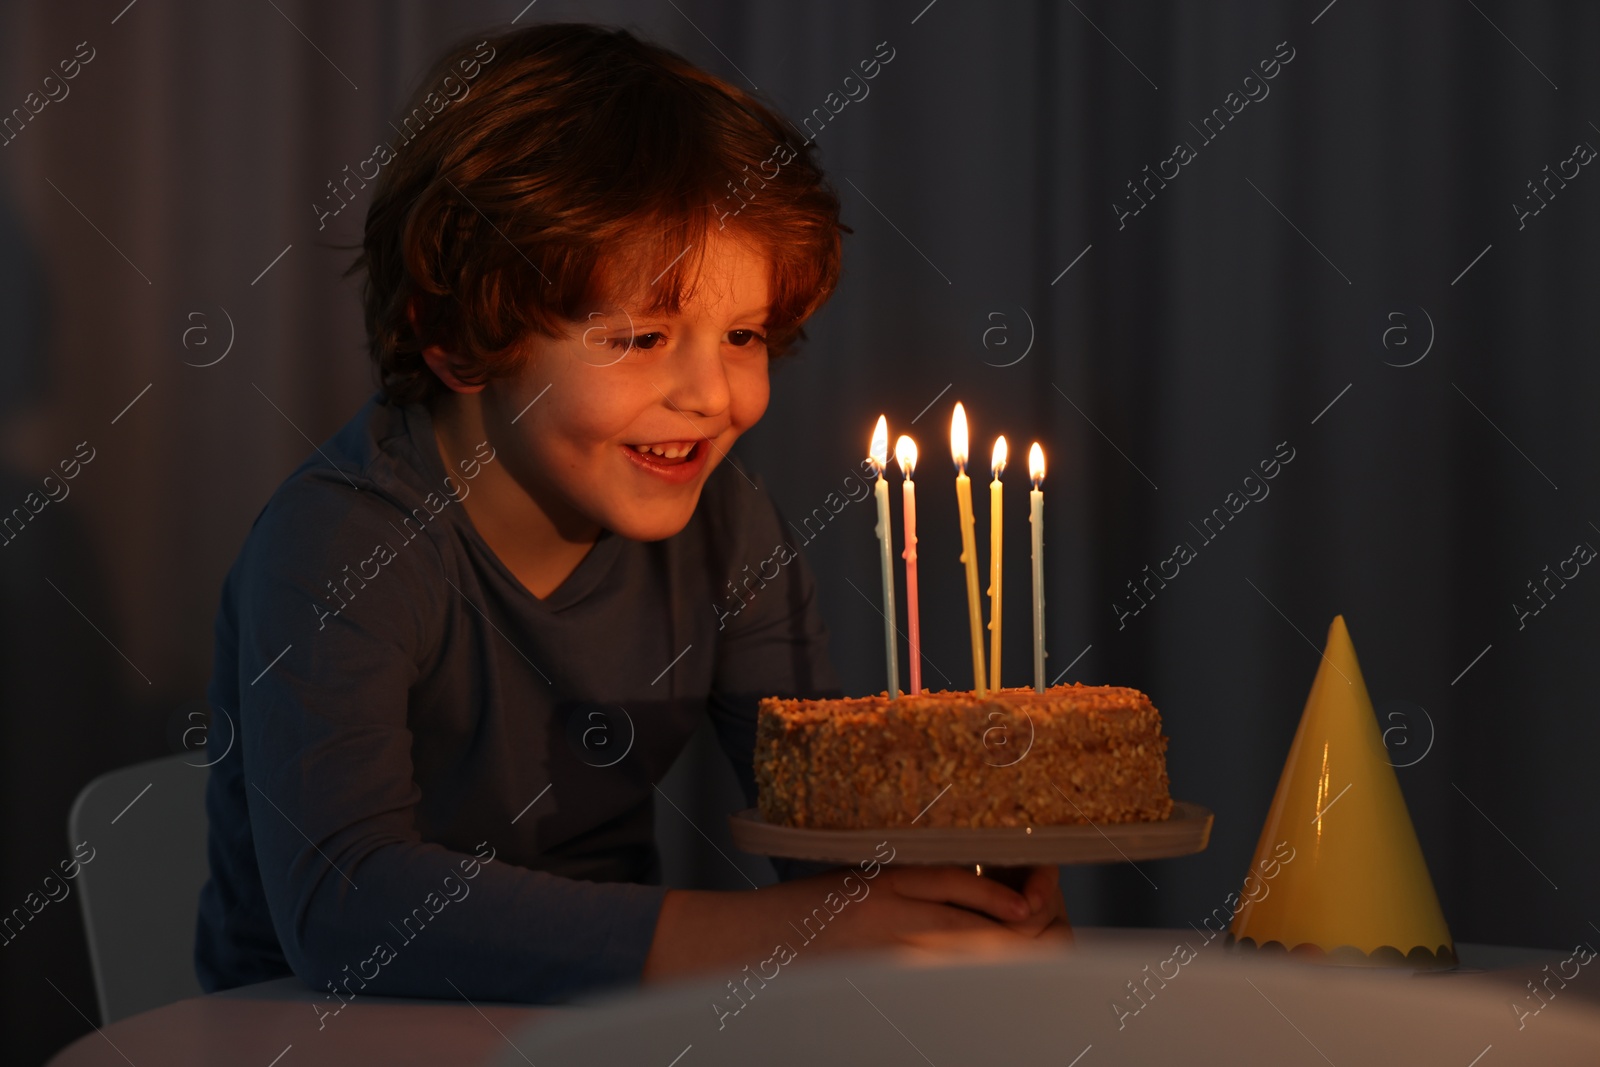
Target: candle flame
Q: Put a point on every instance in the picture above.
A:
(958, 437)
(879, 453)
(998, 463)
(905, 453)
(1036, 464)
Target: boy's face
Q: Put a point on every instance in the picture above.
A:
(619, 423)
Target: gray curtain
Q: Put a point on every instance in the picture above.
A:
(1327, 228)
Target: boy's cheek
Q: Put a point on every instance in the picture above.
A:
(752, 392)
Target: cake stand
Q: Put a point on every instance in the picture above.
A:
(1001, 852)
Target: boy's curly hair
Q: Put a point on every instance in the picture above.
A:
(569, 161)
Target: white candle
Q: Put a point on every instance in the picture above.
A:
(879, 456)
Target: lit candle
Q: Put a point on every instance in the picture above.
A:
(1036, 520)
(969, 553)
(996, 542)
(905, 453)
(879, 457)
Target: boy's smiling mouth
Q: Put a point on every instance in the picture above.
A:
(674, 461)
(666, 449)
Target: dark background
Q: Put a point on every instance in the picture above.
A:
(1180, 348)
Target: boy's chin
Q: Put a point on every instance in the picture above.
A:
(658, 525)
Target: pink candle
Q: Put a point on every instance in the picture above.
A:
(905, 452)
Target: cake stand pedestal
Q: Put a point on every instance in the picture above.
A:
(1001, 852)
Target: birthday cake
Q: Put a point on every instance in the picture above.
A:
(1016, 757)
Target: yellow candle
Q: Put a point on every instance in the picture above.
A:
(969, 551)
(1036, 520)
(996, 543)
(879, 455)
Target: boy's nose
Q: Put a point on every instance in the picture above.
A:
(699, 383)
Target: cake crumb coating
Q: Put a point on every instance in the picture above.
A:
(1072, 754)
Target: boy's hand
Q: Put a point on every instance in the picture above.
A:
(1048, 919)
(939, 907)
(1047, 910)
(950, 909)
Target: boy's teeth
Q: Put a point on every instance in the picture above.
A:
(665, 451)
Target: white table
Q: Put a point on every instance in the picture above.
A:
(276, 1023)
(952, 1011)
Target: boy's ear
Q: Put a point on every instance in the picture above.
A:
(439, 361)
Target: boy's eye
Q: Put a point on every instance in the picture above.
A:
(643, 340)
(740, 338)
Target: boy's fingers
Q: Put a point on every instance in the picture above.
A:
(1043, 884)
(1036, 924)
(941, 918)
(958, 885)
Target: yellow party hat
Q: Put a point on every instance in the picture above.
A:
(1338, 871)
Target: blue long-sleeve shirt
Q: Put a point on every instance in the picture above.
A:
(440, 785)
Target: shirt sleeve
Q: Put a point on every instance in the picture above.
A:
(771, 639)
(338, 615)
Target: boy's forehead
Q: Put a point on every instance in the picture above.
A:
(717, 274)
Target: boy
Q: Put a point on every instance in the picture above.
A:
(464, 640)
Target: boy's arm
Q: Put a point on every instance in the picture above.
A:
(359, 902)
